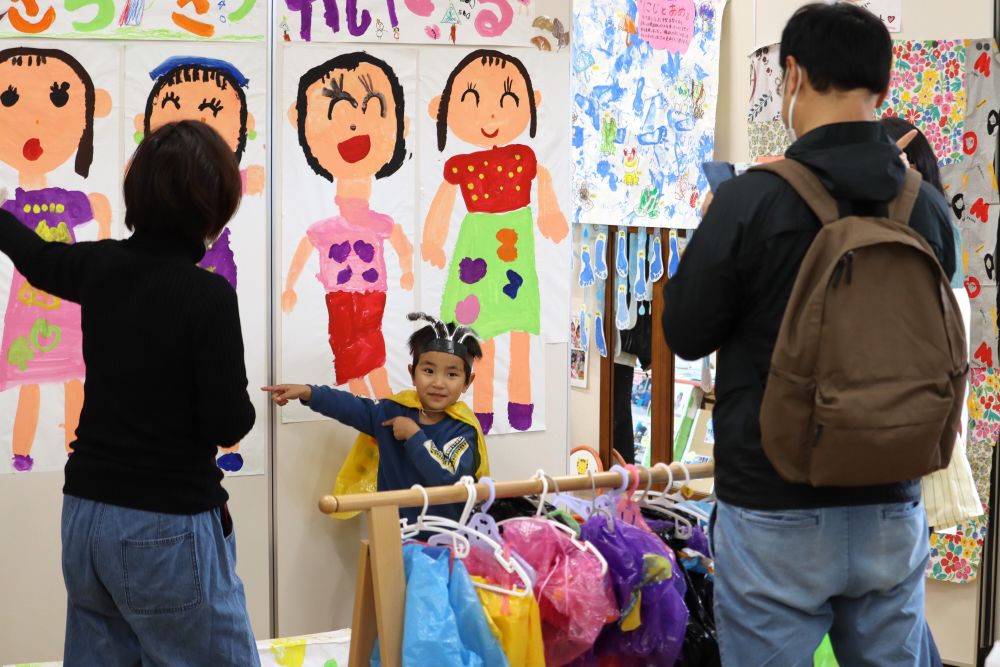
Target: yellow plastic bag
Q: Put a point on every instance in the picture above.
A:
(359, 474)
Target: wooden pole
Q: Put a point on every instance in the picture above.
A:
(439, 495)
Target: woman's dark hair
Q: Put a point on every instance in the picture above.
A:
(28, 57)
(489, 58)
(421, 337)
(840, 46)
(194, 71)
(919, 152)
(350, 62)
(183, 181)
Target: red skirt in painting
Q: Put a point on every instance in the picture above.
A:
(356, 333)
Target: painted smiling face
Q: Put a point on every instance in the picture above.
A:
(200, 94)
(46, 112)
(491, 103)
(351, 126)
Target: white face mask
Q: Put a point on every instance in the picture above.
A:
(790, 128)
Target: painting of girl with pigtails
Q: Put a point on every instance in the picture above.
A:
(492, 284)
(48, 103)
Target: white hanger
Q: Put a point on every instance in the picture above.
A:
(438, 525)
(664, 504)
(453, 529)
(683, 503)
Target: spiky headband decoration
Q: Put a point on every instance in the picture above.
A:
(450, 343)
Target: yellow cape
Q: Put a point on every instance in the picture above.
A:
(359, 474)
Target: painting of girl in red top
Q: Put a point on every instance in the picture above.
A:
(349, 113)
(492, 283)
(48, 103)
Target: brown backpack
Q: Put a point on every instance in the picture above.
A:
(869, 369)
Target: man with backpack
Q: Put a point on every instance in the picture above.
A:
(824, 279)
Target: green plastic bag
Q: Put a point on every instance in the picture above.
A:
(824, 654)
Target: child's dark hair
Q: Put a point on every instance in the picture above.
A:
(27, 57)
(350, 62)
(458, 336)
(919, 153)
(489, 58)
(188, 68)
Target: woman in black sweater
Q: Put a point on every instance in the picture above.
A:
(148, 548)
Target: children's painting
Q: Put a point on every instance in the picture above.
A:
(645, 84)
(408, 22)
(494, 194)
(225, 87)
(59, 156)
(133, 19)
(348, 212)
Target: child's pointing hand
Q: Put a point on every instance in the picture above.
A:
(282, 393)
(403, 428)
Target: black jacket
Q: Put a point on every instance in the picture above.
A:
(734, 282)
(166, 382)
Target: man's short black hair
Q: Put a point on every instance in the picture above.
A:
(424, 335)
(841, 46)
(183, 182)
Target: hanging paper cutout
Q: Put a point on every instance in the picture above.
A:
(600, 254)
(621, 302)
(656, 258)
(586, 261)
(621, 254)
(674, 259)
(583, 327)
(599, 338)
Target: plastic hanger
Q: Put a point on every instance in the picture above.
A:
(664, 505)
(438, 525)
(452, 529)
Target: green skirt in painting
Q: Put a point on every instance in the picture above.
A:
(492, 281)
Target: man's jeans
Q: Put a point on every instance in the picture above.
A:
(151, 589)
(786, 578)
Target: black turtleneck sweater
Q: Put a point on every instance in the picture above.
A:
(166, 382)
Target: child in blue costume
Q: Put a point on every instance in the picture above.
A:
(426, 436)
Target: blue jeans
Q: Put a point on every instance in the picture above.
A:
(786, 578)
(151, 589)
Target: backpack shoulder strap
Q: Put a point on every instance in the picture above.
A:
(901, 207)
(807, 185)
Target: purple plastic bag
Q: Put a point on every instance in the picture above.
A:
(644, 573)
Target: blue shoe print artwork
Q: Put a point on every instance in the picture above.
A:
(586, 268)
(656, 259)
(640, 279)
(600, 254)
(621, 308)
(583, 327)
(602, 345)
(675, 256)
(621, 254)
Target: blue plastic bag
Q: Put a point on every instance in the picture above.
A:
(445, 625)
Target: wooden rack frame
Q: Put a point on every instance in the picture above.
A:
(380, 595)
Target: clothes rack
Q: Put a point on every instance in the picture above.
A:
(380, 592)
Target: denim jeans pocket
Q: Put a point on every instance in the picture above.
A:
(899, 511)
(161, 575)
(795, 519)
